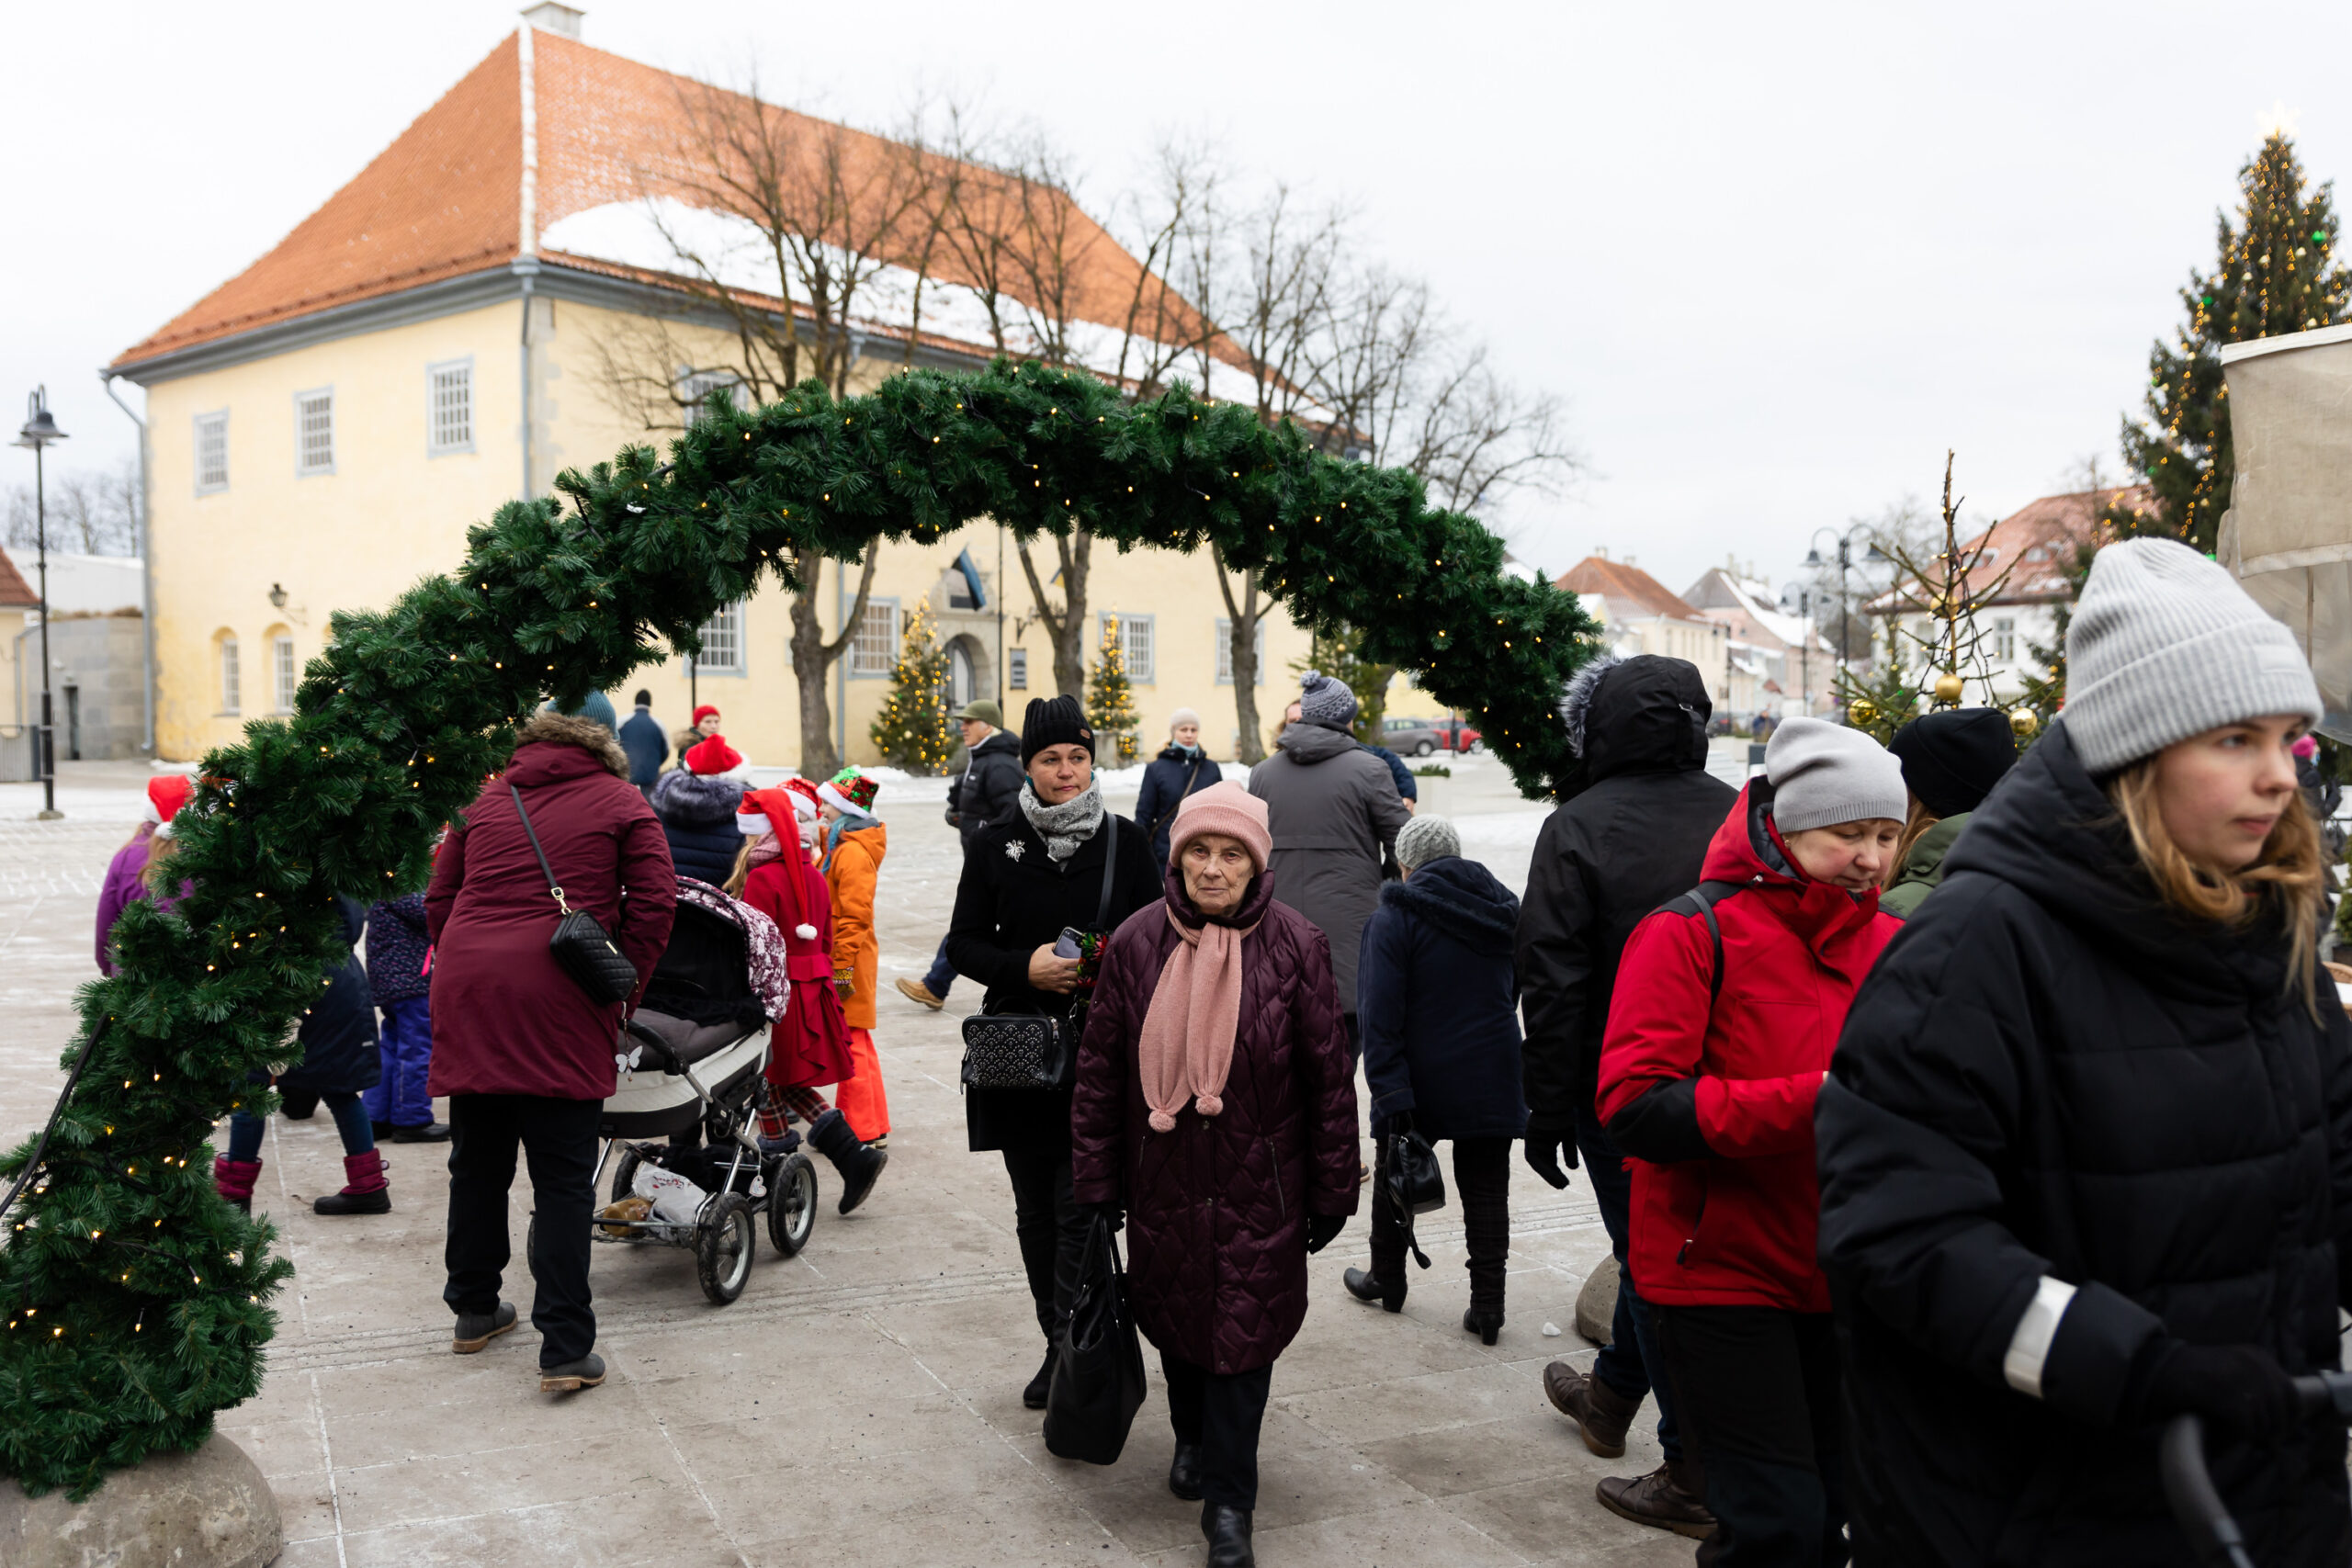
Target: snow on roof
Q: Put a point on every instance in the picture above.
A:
(1756, 601)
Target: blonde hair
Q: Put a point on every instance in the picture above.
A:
(742, 872)
(160, 849)
(2289, 875)
(1916, 824)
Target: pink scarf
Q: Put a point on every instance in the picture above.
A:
(1187, 1045)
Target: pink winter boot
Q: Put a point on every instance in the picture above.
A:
(365, 1192)
(234, 1178)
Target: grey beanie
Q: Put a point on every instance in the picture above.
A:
(1325, 701)
(1426, 839)
(1823, 772)
(2166, 645)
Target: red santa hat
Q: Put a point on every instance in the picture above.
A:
(167, 793)
(776, 811)
(713, 757)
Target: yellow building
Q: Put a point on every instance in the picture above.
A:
(438, 339)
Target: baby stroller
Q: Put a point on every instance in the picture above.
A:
(691, 1073)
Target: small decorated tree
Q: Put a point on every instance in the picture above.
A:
(912, 731)
(1111, 706)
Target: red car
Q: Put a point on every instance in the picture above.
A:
(1454, 735)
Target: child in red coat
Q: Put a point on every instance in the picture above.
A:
(808, 1047)
(1727, 1008)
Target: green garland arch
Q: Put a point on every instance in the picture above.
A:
(135, 1302)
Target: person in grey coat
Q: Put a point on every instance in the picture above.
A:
(1332, 808)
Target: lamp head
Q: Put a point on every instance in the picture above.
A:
(277, 596)
(38, 430)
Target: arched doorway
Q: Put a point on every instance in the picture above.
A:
(963, 674)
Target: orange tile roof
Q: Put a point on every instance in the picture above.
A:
(1616, 579)
(16, 593)
(2035, 544)
(445, 198)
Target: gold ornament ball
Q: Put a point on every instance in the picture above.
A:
(1863, 712)
(2024, 722)
(1949, 688)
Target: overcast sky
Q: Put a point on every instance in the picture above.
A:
(1776, 258)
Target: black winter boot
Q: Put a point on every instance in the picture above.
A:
(860, 1167)
(1368, 1286)
(1228, 1530)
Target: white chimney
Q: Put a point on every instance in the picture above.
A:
(553, 16)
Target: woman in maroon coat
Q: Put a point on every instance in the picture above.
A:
(1217, 1106)
(523, 1053)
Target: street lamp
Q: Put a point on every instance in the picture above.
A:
(39, 430)
(1874, 556)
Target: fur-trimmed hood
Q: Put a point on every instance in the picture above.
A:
(1462, 898)
(696, 800)
(1647, 714)
(570, 730)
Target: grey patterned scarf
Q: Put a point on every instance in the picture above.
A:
(1066, 826)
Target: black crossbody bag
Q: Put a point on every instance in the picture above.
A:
(583, 948)
(1035, 1050)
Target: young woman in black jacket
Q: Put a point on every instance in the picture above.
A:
(1025, 880)
(2085, 1151)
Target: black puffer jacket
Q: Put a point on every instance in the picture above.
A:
(2047, 1073)
(1631, 838)
(338, 1033)
(989, 789)
(697, 814)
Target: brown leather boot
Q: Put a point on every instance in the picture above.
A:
(1598, 1410)
(1668, 1498)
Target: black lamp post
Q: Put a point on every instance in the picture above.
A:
(1874, 556)
(39, 431)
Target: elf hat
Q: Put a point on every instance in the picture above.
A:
(804, 797)
(849, 791)
(712, 757)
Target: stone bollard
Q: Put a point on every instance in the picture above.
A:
(207, 1509)
(1597, 1303)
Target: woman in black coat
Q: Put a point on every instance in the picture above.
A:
(2085, 1151)
(697, 804)
(1181, 769)
(1024, 881)
(1440, 1011)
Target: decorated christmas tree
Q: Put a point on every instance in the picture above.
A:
(2276, 274)
(914, 730)
(1111, 706)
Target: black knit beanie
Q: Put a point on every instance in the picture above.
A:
(1951, 760)
(1054, 721)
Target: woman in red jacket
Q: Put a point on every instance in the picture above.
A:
(1726, 1011)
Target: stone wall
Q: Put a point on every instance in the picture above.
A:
(95, 686)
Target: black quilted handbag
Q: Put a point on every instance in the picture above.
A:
(583, 948)
(1035, 1050)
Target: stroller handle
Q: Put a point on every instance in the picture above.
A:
(2188, 1487)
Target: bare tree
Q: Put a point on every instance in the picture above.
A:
(797, 233)
(90, 511)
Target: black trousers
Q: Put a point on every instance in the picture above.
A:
(1222, 1411)
(559, 1139)
(1052, 1231)
(1756, 1391)
(1482, 1183)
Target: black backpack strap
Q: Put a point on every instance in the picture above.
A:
(1702, 900)
(1110, 869)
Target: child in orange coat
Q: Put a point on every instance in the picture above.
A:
(854, 842)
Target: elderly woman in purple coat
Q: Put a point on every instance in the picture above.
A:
(1216, 1107)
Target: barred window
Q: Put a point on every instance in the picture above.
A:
(1136, 644)
(1224, 651)
(314, 432)
(693, 386)
(722, 640)
(211, 451)
(1017, 677)
(228, 682)
(282, 671)
(449, 407)
(874, 650)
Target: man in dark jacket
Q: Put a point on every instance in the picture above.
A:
(646, 744)
(1630, 834)
(979, 799)
(1333, 809)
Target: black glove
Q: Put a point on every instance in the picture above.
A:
(2239, 1386)
(1321, 1228)
(1396, 1122)
(1109, 1213)
(1546, 1149)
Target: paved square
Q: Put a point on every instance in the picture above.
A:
(860, 1403)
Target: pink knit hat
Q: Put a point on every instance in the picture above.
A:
(1226, 808)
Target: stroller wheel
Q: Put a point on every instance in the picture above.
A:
(723, 1250)
(792, 1204)
(625, 1173)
